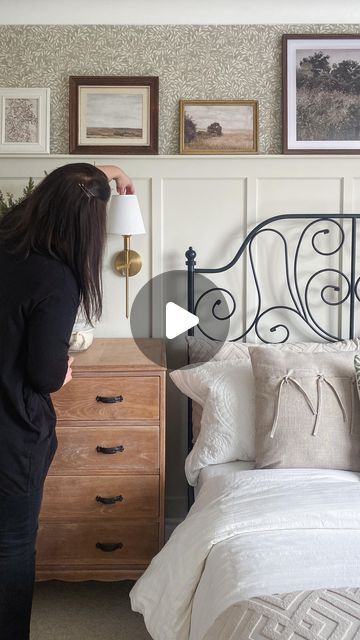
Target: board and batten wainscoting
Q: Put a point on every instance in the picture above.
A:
(209, 202)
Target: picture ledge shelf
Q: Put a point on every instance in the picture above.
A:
(209, 158)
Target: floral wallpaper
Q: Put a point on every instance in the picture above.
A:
(192, 62)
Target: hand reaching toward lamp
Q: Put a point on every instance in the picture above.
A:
(124, 184)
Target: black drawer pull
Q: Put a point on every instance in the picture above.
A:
(109, 399)
(118, 449)
(109, 547)
(109, 500)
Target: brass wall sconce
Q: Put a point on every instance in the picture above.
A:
(125, 219)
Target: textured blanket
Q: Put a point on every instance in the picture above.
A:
(327, 614)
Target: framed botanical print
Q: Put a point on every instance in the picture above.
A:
(321, 93)
(218, 126)
(24, 120)
(113, 114)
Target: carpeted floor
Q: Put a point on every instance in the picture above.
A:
(85, 611)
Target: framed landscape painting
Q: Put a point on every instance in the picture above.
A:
(113, 114)
(321, 93)
(218, 126)
(25, 120)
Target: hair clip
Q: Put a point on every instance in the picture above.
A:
(87, 191)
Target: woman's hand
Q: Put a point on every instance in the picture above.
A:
(124, 184)
(68, 376)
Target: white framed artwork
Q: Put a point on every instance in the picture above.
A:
(24, 120)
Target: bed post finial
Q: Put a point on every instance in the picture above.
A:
(190, 255)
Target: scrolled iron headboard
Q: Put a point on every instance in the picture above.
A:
(311, 226)
(301, 305)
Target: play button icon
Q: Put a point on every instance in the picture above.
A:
(178, 320)
(162, 309)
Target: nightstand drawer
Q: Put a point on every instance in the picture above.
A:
(109, 398)
(100, 497)
(99, 544)
(106, 450)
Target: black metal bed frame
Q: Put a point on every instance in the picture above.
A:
(346, 289)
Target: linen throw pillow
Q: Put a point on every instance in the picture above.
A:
(203, 350)
(307, 410)
(226, 392)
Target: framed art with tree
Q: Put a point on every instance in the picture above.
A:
(321, 93)
(218, 126)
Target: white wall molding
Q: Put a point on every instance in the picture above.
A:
(186, 12)
(209, 202)
(204, 201)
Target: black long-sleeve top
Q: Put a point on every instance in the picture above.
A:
(39, 299)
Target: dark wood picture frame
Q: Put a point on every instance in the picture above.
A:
(76, 82)
(291, 145)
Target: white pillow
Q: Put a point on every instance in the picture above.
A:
(226, 392)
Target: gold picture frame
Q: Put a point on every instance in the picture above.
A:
(219, 127)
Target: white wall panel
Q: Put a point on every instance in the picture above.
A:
(209, 202)
(203, 208)
(356, 195)
(285, 194)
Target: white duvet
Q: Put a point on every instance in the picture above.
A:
(252, 533)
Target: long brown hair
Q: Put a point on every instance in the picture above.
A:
(65, 217)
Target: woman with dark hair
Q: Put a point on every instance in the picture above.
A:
(51, 249)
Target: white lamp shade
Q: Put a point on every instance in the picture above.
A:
(124, 216)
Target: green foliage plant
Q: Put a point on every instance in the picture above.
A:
(8, 200)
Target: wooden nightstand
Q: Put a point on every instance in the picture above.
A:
(102, 516)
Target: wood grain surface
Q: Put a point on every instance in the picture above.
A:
(78, 399)
(77, 452)
(114, 354)
(65, 499)
(75, 543)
